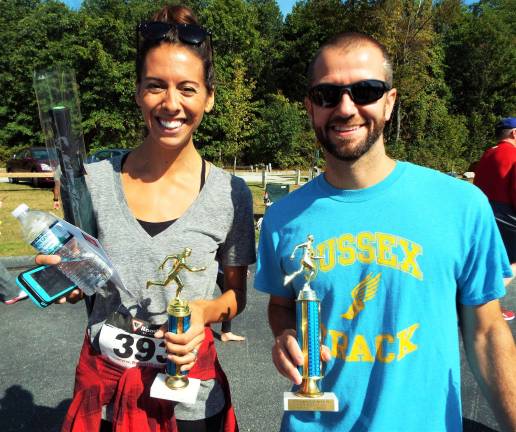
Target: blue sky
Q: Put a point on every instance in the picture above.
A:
(73, 4)
(286, 5)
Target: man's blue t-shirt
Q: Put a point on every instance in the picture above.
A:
(397, 257)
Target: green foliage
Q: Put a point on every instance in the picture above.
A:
(283, 135)
(269, 25)
(441, 137)
(309, 24)
(39, 34)
(454, 67)
(237, 113)
(481, 68)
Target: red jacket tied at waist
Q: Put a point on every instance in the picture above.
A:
(98, 381)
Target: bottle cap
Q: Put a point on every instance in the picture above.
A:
(22, 208)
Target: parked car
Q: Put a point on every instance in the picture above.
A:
(106, 154)
(32, 159)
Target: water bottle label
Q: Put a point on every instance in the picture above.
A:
(52, 239)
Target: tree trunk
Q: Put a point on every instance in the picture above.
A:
(398, 122)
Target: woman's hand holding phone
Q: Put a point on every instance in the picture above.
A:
(73, 296)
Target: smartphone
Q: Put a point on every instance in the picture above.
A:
(44, 284)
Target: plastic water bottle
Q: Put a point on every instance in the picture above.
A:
(48, 235)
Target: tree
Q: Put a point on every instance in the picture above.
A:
(283, 135)
(481, 60)
(454, 67)
(238, 113)
(233, 23)
(38, 35)
(269, 24)
(308, 25)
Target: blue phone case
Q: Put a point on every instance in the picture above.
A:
(44, 284)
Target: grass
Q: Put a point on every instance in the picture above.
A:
(11, 195)
(257, 192)
(11, 240)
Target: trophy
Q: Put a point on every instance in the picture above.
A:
(308, 326)
(175, 384)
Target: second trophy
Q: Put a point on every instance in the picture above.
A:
(308, 327)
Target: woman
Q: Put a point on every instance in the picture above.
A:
(159, 200)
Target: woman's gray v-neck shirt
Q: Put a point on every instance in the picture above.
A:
(218, 227)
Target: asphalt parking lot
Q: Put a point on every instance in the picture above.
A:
(39, 349)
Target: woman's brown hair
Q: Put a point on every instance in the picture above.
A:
(177, 15)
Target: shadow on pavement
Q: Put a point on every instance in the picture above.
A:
(18, 412)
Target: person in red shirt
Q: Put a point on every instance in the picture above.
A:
(495, 175)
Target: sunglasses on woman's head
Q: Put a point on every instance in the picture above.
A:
(362, 93)
(191, 34)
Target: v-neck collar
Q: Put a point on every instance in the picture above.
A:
(178, 225)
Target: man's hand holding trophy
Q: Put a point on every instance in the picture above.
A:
(308, 332)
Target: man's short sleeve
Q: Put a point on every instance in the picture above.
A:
(485, 263)
(269, 275)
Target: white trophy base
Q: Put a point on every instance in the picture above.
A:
(186, 395)
(326, 402)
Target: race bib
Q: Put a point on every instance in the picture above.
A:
(129, 341)
(130, 349)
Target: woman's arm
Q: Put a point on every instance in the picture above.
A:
(231, 302)
(180, 346)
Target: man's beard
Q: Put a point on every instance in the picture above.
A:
(342, 152)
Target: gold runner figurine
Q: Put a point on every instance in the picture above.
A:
(173, 275)
(307, 264)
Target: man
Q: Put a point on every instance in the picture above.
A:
(405, 252)
(495, 174)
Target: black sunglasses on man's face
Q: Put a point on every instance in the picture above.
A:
(362, 93)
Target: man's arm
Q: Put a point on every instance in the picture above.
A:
(232, 301)
(286, 353)
(491, 354)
